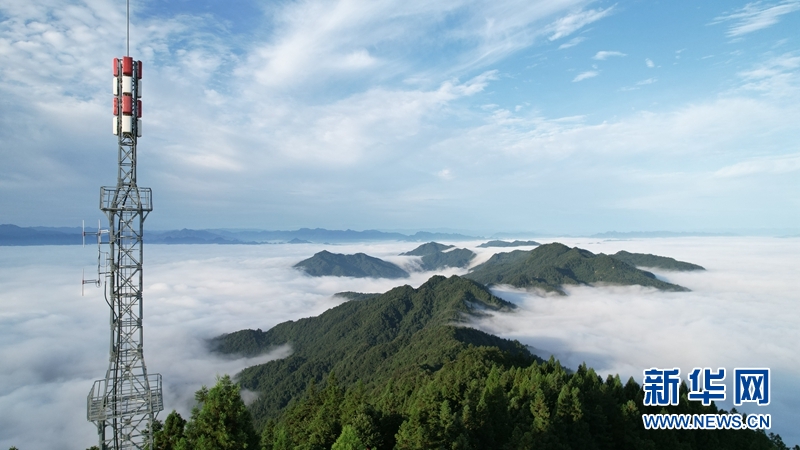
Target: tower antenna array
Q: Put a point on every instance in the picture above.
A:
(125, 403)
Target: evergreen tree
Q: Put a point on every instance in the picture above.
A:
(171, 433)
(348, 440)
(221, 421)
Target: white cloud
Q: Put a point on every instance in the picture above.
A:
(584, 75)
(445, 174)
(638, 85)
(572, 42)
(362, 126)
(726, 122)
(777, 76)
(756, 16)
(574, 21)
(603, 55)
(313, 37)
(649, 63)
(769, 165)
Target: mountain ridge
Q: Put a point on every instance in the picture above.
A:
(359, 265)
(551, 266)
(13, 235)
(400, 330)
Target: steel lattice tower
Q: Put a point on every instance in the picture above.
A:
(125, 403)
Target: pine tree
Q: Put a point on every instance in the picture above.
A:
(171, 433)
(348, 440)
(221, 421)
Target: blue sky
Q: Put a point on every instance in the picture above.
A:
(553, 116)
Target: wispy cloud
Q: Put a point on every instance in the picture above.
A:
(603, 55)
(540, 148)
(778, 75)
(649, 63)
(756, 16)
(317, 41)
(569, 24)
(572, 42)
(584, 75)
(445, 174)
(639, 84)
(770, 165)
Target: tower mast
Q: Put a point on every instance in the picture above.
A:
(125, 403)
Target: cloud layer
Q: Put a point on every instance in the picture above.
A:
(54, 342)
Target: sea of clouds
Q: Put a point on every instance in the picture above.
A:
(742, 312)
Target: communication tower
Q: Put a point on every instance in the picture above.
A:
(125, 403)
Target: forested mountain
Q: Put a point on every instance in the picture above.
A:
(428, 249)
(359, 265)
(654, 261)
(508, 244)
(551, 266)
(437, 256)
(395, 371)
(404, 330)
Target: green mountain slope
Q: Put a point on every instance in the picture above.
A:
(402, 330)
(508, 244)
(350, 295)
(459, 257)
(429, 248)
(552, 266)
(437, 256)
(359, 265)
(660, 262)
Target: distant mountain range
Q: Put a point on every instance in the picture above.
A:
(654, 234)
(435, 256)
(508, 244)
(15, 235)
(548, 267)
